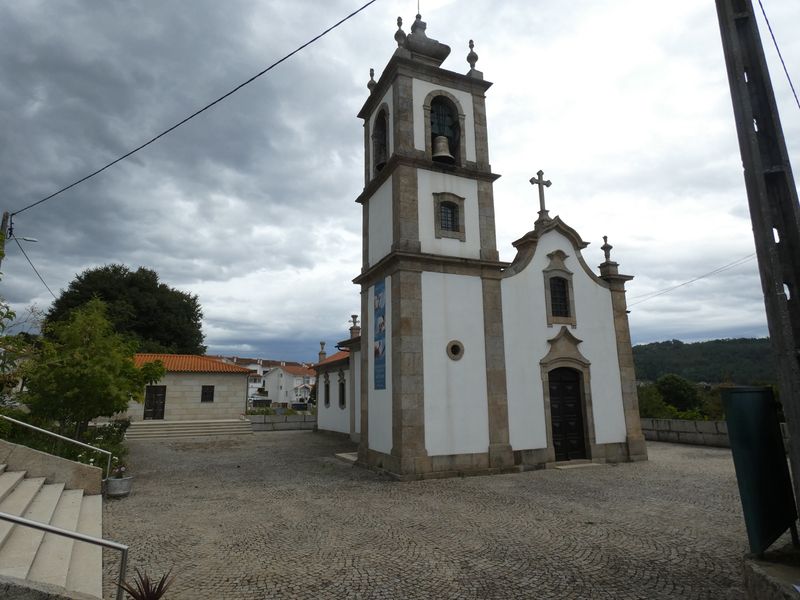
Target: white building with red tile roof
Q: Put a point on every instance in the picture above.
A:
(287, 384)
(339, 386)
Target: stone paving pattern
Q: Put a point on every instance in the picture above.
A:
(275, 515)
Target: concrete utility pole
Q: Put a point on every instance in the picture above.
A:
(3, 234)
(772, 196)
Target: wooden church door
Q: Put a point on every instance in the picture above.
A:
(566, 414)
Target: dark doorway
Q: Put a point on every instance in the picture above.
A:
(155, 397)
(566, 414)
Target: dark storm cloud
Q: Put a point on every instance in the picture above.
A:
(251, 204)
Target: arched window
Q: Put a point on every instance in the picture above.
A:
(341, 389)
(327, 390)
(559, 297)
(444, 122)
(380, 141)
(449, 216)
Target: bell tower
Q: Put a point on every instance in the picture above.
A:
(433, 367)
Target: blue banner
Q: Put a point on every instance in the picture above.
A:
(379, 345)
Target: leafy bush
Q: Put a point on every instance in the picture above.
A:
(110, 437)
(652, 405)
(260, 411)
(678, 392)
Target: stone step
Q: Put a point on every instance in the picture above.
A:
(243, 425)
(156, 422)
(86, 565)
(172, 429)
(2, 468)
(8, 481)
(51, 564)
(17, 502)
(188, 426)
(189, 434)
(21, 546)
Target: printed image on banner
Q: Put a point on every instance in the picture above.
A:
(380, 335)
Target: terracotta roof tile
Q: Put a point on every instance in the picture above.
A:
(333, 358)
(299, 371)
(189, 363)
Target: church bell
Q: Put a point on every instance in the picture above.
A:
(441, 150)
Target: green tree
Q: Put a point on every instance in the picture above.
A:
(159, 318)
(652, 405)
(83, 370)
(677, 392)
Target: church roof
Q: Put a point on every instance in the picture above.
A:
(333, 359)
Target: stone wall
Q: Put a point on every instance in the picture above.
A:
(282, 422)
(54, 469)
(699, 433)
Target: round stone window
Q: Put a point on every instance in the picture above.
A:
(455, 350)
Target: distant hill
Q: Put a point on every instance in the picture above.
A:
(744, 361)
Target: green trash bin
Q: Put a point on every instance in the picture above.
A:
(761, 468)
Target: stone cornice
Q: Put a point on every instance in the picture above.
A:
(421, 163)
(434, 263)
(399, 65)
(526, 248)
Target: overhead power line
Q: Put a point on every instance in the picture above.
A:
(778, 50)
(196, 113)
(25, 254)
(651, 295)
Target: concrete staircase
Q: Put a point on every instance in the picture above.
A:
(30, 554)
(139, 430)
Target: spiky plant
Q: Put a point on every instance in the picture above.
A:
(143, 588)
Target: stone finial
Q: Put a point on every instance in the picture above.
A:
(418, 24)
(472, 58)
(606, 248)
(355, 330)
(371, 83)
(423, 48)
(322, 354)
(400, 35)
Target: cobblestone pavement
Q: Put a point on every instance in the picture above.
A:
(275, 515)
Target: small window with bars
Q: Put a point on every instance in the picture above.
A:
(559, 297)
(207, 393)
(449, 216)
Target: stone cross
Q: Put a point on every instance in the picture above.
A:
(542, 183)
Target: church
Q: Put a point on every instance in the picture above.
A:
(463, 363)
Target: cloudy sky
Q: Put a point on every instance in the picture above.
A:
(624, 104)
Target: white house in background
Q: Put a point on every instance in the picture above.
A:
(259, 367)
(289, 383)
(471, 364)
(339, 386)
(194, 388)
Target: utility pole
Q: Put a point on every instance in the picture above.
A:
(3, 234)
(772, 196)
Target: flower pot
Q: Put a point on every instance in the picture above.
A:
(118, 487)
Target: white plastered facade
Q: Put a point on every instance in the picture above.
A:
(456, 412)
(526, 334)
